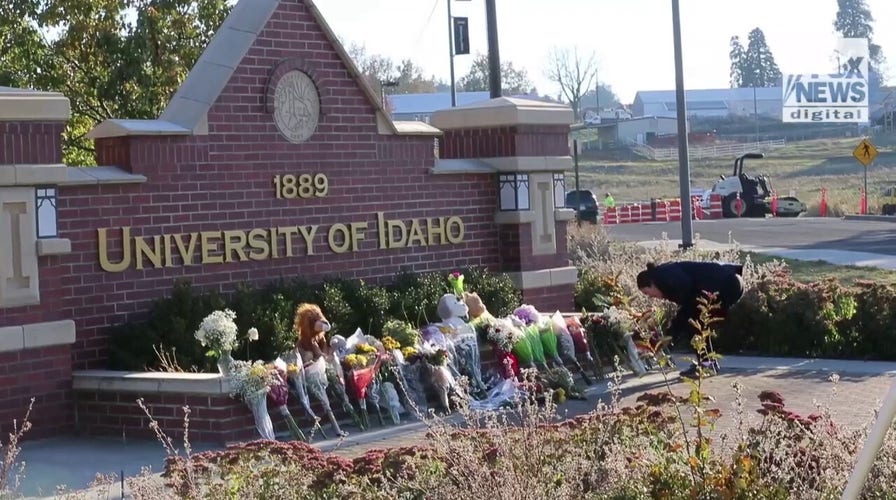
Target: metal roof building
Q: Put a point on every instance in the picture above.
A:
(710, 102)
(420, 107)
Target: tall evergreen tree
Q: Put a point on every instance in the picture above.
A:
(761, 68)
(736, 54)
(753, 66)
(854, 20)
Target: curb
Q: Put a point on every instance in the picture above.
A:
(871, 218)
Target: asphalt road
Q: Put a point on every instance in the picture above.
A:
(796, 233)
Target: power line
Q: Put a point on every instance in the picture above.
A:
(435, 4)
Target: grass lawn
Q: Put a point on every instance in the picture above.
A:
(804, 167)
(806, 271)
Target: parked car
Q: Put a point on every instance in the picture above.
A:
(584, 202)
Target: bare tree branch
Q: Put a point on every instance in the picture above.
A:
(574, 74)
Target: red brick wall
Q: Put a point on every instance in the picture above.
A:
(212, 418)
(550, 299)
(506, 141)
(223, 181)
(44, 374)
(30, 142)
(516, 249)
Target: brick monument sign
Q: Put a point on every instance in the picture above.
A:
(273, 159)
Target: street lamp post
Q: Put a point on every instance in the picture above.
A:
(451, 55)
(684, 169)
(494, 58)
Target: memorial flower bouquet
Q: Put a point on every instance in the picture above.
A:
(521, 347)
(402, 332)
(436, 360)
(218, 332)
(566, 344)
(252, 382)
(278, 395)
(531, 319)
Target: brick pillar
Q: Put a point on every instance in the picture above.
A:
(36, 350)
(526, 143)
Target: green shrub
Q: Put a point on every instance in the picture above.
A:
(348, 304)
(415, 297)
(497, 291)
(872, 331)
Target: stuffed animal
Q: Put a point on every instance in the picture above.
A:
(311, 326)
(466, 358)
(475, 307)
(452, 310)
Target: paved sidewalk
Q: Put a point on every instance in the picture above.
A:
(802, 383)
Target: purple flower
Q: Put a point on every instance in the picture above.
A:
(527, 314)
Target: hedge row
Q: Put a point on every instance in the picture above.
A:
(348, 304)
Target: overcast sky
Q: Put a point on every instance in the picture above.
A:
(631, 38)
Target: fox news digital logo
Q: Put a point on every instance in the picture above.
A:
(840, 97)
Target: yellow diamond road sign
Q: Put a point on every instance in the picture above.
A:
(865, 152)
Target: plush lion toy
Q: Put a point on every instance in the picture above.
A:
(311, 326)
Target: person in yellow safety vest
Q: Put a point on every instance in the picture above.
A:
(609, 202)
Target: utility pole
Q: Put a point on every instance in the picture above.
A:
(451, 54)
(684, 168)
(596, 91)
(494, 58)
(755, 113)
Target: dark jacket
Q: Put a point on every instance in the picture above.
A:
(685, 282)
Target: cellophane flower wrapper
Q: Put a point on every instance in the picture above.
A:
(263, 424)
(565, 344)
(278, 396)
(336, 380)
(523, 352)
(390, 401)
(466, 349)
(549, 341)
(533, 333)
(360, 379)
(414, 379)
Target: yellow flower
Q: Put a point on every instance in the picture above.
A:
(258, 371)
(356, 361)
(292, 368)
(409, 351)
(389, 343)
(366, 349)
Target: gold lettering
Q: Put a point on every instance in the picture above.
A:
(169, 255)
(154, 254)
(358, 229)
(186, 253)
(209, 247)
(257, 241)
(308, 233)
(433, 231)
(454, 230)
(125, 262)
(381, 230)
(416, 234)
(275, 245)
(289, 232)
(335, 246)
(392, 225)
(234, 241)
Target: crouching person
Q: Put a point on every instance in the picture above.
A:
(685, 283)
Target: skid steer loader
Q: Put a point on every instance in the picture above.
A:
(755, 194)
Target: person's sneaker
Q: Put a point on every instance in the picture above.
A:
(710, 368)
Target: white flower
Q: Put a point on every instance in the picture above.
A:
(218, 331)
(253, 334)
